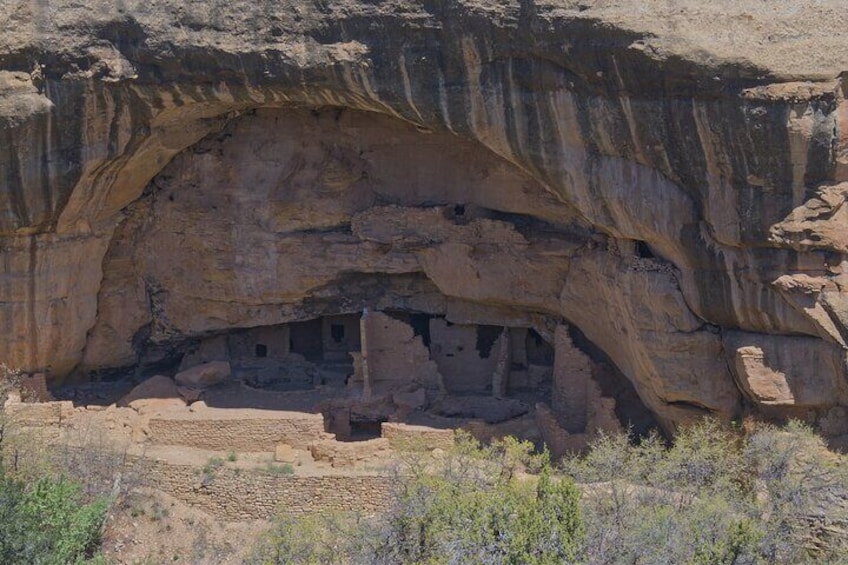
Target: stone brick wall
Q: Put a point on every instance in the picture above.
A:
(234, 494)
(558, 440)
(402, 435)
(571, 377)
(242, 429)
(347, 454)
(38, 413)
(454, 349)
(395, 355)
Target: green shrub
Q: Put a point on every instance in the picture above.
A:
(212, 465)
(474, 506)
(284, 469)
(46, 522)
(715, 496)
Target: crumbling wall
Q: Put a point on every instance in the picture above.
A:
(600, 418)
(38, 414)
(395, 355)
(558, 440)
(454, 349)
(578, 409)
(571, 376)
(348, 454)
(33, 388)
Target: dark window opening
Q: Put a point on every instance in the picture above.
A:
(261, 350)
(365, 430)
(537, 339)
(539, 352)
(421, 326)
(459, 210)
(337, 332)
(486, 338)
(643, 251)
(307, 339)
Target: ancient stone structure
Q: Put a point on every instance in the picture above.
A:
(234, 496)
(238, 182)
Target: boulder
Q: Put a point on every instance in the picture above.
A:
(204, 375)
(284, 453)
(155, 405)
(190, 394)
(159, 386)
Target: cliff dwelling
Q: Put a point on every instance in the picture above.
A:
(537, 243)
(335, 262)
(352, 265)
(419, 368)
(252, 252)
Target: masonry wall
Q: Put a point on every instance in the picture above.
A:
(454, 349)
(39, 413)
(233, 494)
(274, 339)
(339, 349)
(248, 430)
(558, 440)
(402, 436)
(571, 376)
(396, 356)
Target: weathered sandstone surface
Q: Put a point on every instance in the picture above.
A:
(671, 181)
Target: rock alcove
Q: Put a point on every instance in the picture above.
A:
(172, 178)
(277, 242)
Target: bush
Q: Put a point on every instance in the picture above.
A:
(473, 506)
(284, 469)
(714, 497)
(46, 522)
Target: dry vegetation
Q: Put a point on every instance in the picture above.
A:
(716, 496)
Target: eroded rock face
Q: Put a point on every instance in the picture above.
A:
(176, 173)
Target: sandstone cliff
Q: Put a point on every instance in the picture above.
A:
(669, 180)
